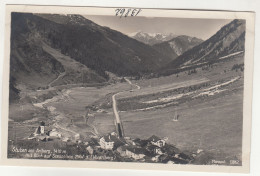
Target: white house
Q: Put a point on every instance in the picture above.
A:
(90, 150)
(156, 158)
(38, 131)
(55, 133)
(113, 133)
(136, 153)
(155, 140)
(77, 136)
(155, 149)
(122, 150)
(106, 142)
(66, 139)
(42, 124)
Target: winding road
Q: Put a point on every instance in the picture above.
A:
(119, 126)
(61, 75)
(129, 82)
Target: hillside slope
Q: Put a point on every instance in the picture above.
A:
(65, 49)
(177, 46)
(99, 48)
(228, 40)
(29, 63)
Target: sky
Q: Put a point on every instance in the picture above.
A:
(200, 28)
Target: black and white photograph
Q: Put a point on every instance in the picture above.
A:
(127, 88)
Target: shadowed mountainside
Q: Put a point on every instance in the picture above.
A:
(42, 46)
(100, 48)
(177, 46)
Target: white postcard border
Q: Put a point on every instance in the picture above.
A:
(248, 16)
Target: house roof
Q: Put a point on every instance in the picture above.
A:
(38, 130)
(31, 136)
(136, 150)
(123, 147)
(154, 138)
(152, 147)
(170, 149)
(141, 142)
(118, 143)
(42, 123)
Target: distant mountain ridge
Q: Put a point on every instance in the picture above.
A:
(177, 46)
(229, 39)
(151, 38)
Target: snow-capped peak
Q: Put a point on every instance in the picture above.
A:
(151, 38)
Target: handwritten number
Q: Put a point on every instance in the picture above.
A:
(122, 12)
(117, 11)
(133, 12)
(138, 12)
(128, 12)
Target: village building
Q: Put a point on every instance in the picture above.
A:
(38, 131)
(90, 150)
(54, 133)
(65, 139)
(106, 142)
(42, 125)
(113, 133)
(155, 140)
(176, 155)
(170, 150)
(155, 158)
(154, 149)
(110, 142)
(122, 150)
(77, 137)
(140, 142)
(129, 141)
(135, 153)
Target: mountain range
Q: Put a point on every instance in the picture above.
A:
(152, 38)
(42, 46)
(51, 49)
